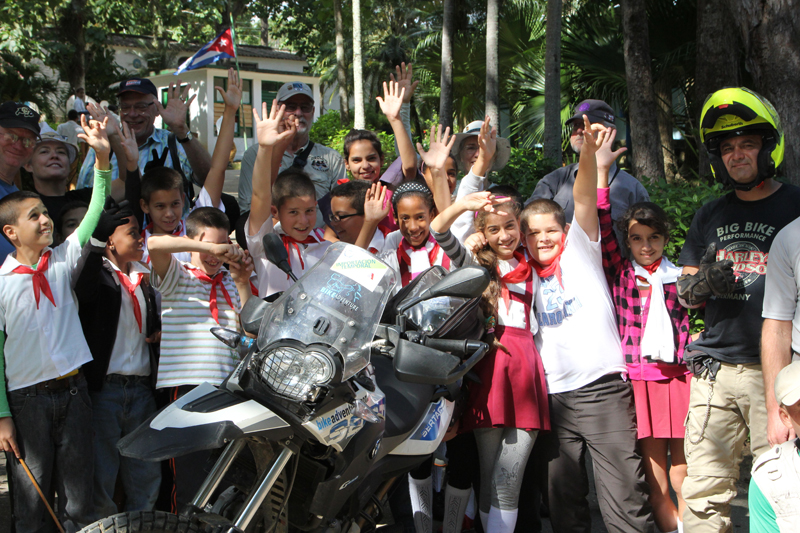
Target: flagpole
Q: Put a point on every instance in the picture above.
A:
(239, 72)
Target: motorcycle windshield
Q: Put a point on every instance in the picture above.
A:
(338, 302)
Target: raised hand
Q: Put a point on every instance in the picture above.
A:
(405, 74)
(99, 113)
(241, 270)
(439, 149)
(593, 135)
(487, 140)
(131, 147)
(605, 157)
(95, 135)
(113, 216)
(233, 96)
(178, 102)
(376, 205)
(482, 201)
(392, 100)
(273, 129)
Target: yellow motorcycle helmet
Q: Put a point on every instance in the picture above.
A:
(740, 111)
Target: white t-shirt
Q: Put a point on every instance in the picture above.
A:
(419, 262)
(577, 338)
(271, 279)
(48, 342)
(783, 280)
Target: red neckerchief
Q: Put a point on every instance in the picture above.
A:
(289, 241)
(554, 267)
(520, 273)
(651, 269)
(215, 282)
(342, 181)
(404, 260)
(40, 283)
(130, 286)
(385, 231)
(177, 231)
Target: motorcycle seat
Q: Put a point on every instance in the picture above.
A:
(406, 403)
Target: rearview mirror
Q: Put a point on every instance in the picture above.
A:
(276, 253)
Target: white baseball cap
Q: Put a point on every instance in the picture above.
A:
(787, 384)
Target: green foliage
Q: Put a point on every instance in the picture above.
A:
(681, 200)
(328, 131)
(524, 170)
(23, 82)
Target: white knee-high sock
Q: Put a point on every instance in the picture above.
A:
(455, 505)
(502, 520)
(472, 505)
(680, 526)
(484, 520)
(421, 492)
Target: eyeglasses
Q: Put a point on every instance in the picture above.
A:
(338, 218)
(140, 107)
(12, 138)
(291, 107)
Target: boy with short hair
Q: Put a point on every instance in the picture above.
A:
(196, 296)
(292, 200)
(121, 322)
(591, 402)
(43, 351)
(348, 216)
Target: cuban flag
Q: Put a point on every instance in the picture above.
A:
(219, 48)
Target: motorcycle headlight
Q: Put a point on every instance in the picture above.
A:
(294, 373)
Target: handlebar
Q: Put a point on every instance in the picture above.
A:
(460, 348)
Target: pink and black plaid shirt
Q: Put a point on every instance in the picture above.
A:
(631, 316)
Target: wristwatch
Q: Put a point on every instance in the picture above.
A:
(186, 139)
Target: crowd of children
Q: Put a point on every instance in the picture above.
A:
(588, 339)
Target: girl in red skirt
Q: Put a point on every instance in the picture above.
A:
(654, 329)
(509, 407)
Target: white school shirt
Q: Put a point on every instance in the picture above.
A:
(203, 200)
(578, 337)
(130, 355)
(190, 354)
(514, 316)
(48, 342)
(271, 279)
(389, 255)
(464, 226)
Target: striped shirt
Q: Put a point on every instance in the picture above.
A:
(190, 354)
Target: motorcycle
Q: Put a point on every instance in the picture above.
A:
(327, 427)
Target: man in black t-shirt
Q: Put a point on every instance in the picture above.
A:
(742, 135)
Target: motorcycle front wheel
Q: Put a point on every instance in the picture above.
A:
(150, 522)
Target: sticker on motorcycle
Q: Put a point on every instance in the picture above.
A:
(361, 267)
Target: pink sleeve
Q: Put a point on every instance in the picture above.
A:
(603, 198)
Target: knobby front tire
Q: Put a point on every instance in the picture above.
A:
(149, 522)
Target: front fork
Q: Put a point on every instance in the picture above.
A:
(257, 496)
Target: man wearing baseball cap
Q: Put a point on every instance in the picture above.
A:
(19, 129)
(139, 106)
(322, 164)
(625, 189)
(774, 494)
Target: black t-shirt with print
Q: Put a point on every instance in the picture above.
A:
(743, 232)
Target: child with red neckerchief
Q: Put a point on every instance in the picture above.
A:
(654, 330)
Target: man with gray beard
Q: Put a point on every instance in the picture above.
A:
(322, 164)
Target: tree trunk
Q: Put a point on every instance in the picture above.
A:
(446, 94)
(663, 91)
(264, 32)
(717, 63)
(73, 27)
(358, 73)
(770, 33)
(552, 83)
(493, 62)
(642, 110)
(341, 68)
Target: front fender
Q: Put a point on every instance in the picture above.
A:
(203, 419)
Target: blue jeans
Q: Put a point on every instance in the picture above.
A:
(54, 433)
(121, 406)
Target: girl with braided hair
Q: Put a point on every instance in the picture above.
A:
(509, 407)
